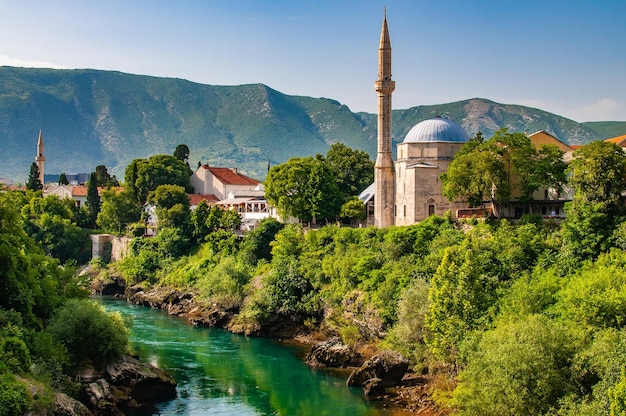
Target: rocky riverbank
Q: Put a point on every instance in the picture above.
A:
(383, 375)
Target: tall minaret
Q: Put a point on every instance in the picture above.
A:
(383, 170)
(40, 158)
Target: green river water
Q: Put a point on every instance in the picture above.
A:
(219, 373)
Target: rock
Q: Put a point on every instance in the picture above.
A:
(332, 353)
(389, 366)
(64, 405)
(114, 285)
(147, 383)
(374, 387)
(127, 383)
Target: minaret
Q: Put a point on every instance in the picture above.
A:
(383, 170)
(40, 158)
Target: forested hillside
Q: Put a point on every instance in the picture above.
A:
(92, 117)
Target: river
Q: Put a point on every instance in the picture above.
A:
(220, 373)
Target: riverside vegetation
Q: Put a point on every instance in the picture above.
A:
(502, 318)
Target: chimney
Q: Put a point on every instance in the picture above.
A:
(234, 170)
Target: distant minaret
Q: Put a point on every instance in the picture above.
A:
(383, 170)
(40, 159)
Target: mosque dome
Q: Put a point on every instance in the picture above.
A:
(436, 129)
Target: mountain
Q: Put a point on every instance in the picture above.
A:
(93, 117)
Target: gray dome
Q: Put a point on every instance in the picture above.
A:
(436, 130)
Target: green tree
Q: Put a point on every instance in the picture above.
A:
(598, 176)
(172, 206)
(63, 179)
(353, 210)
(492, 170)
(33, 183)
(93, 200)
(304, 188)
(519, 368)
(182, 153)
(256, 244)
(103, 178)
(144, 176)
(199, 218)
(117, 211)
(477, 173)
(50, 221)
(89, 333)
(353, 169)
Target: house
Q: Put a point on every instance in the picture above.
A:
(78, 193)
(209, 180)
(232, 190)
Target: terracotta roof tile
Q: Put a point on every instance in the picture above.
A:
(79, 190)
(194, 199)
(230, 176)
(617, 140)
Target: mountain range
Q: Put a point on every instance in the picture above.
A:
(94, 117)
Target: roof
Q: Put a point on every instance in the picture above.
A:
(542, 137)
(435, 130)
(619, 140)
(368, 193)
(195, 199)
(230, 176)
(79, 190)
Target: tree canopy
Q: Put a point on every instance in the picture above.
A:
(495, 169)
(143, 176)
(304, 188)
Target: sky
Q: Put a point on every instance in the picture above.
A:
(563, 56)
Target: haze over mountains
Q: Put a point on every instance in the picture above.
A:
(94, 117)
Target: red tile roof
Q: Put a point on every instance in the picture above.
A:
(194, 199)
(619, 140)
(230, 176)
(79, 190)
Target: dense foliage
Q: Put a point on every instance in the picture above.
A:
(47, 327)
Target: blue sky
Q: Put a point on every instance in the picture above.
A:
(565, 56)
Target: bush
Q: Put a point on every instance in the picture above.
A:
(15, 354)
(517, 368)
(89, 333)
(14, 399)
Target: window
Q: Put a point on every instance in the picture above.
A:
(431, 210)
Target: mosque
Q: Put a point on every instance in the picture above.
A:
(408, 190)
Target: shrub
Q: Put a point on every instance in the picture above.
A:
(89, 333)
(14, 399)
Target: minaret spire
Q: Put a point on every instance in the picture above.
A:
(383, 170)
(40, 158)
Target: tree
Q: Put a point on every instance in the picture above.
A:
(89, 333)
(172, 206)
(476, 174)
(519, 368)
(103, 178)
(491, 170)
(63, 179)
(353, 169)
(93, 200)
(598, 176)
(182, 153)
(199, 220)
(34, 183)
(144, 176)
(304, 188)
(353, 210)
(117, 211)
